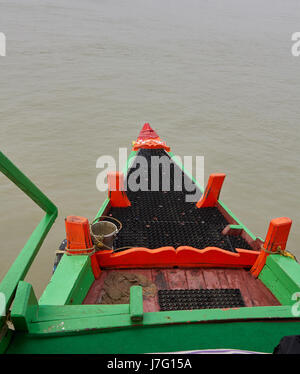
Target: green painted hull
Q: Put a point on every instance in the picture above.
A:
(253, 336)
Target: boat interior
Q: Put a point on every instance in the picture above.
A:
(174, 239)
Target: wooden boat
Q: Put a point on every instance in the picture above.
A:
(180, 276)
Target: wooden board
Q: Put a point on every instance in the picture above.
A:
(253, 291)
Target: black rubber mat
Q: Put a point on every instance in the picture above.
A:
(164, 217)
(200, 299)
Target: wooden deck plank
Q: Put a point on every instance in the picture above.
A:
(148, 302)
(236, 280)
(211, 278)
(195, 278)
(177, 279)
(268, 294)
(160, 279)
(96, 290)
(220, 273)
(253, 291)
(260, 295)
(256, 294)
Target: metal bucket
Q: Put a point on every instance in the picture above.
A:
(105, 231)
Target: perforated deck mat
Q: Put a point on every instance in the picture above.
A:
(164, 217)
(200, 299)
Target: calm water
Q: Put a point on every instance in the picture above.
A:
(214, 78)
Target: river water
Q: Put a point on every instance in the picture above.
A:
(214, 78)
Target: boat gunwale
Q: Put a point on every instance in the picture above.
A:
(91, 321)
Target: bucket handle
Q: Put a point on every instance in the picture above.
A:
(113, 218)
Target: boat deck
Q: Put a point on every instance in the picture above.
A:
(162, 215)
(253, 291)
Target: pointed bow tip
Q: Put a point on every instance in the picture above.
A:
(147, 127)
(148, 138)
(147, 132)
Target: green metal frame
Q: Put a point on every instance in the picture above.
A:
(21, 265)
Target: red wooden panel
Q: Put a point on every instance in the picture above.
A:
(177, 279)
(236, 280)
(268, 294)
(214, 257)
(257, 295)
(183, 257)
(160, 279)
(195, 278)
(260, 295)
(95, 291)
(253, 291)
(137, 258)
(221, 274)
(211, 278)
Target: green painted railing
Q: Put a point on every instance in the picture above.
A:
(20, 267)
